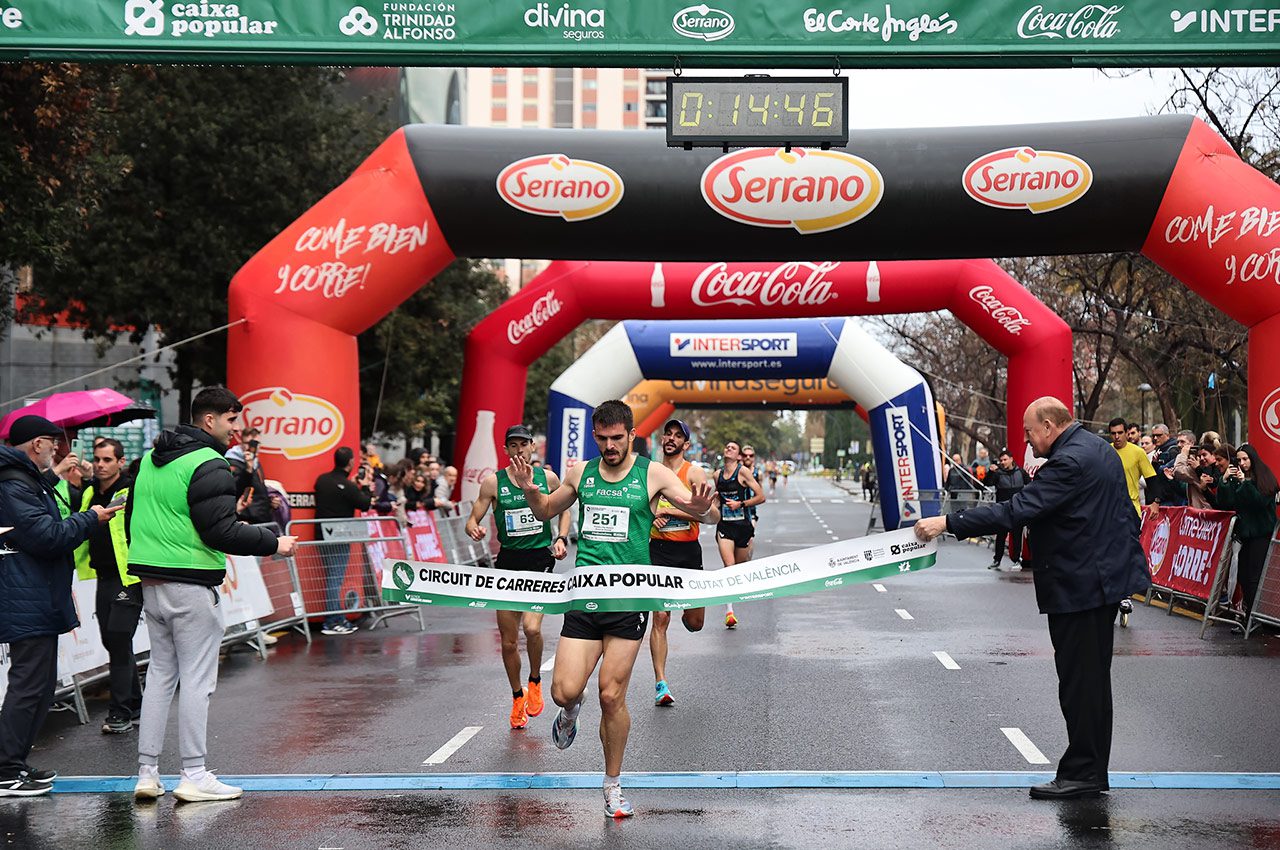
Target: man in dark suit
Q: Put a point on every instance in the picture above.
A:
(1084, 536)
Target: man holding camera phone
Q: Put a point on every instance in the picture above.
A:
(338, 497)
(255, 504)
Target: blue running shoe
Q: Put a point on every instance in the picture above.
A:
(616, 805)
(663, 696)
(563, 733)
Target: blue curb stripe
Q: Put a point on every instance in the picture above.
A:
(760, 780)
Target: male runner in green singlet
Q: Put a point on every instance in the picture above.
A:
(526, 546)
(616, 493)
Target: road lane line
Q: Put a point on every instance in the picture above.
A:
(902, 612)
(453, 745)
(1023, 744)
(879, 588)
(548, 664)
(945, 660)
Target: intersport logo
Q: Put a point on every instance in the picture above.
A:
(542, 310)
(1093, 21)
(798, 283)
(572, 436)
(555, 185)
(1025, 178)
(744, 345)
(904, 461)
(1270, 415)
(294, 425)
(1009, 318)
(812, 191)
(703, 22)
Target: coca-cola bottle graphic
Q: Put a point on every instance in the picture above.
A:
(658, 287)
(482, 456)
(873, 282)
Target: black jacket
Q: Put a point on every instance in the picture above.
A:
(1007, 482)
(338, 496)
(259, 508)
(1083, 528)
(211, 499)
(36, 569)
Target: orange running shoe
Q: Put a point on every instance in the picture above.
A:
(533, 698)
(730, 621)
(519, 717)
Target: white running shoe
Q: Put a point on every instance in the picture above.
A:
(149, 787)
(616, 805)
(208, 789)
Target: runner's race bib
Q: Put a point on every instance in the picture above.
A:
(522, 523)
(733, 514)
(673, 523)
(605, 523)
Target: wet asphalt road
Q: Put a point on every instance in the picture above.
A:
(837, 681)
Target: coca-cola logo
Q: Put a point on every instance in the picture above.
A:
(1009, 318)
(811, 191)
(1270, 415)
(1025, 178)
(543, 309)
(1092, 21)
(797, 283)
(555, 185)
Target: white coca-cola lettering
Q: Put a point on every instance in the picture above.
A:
(1090, 21)
(1010, 318)
(543, 309)
(789, 284)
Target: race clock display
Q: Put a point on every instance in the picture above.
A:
(757, 111)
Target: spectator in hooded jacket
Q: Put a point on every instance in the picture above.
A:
(1007, 478)
(246, 466)
(35, 593)
(1249, 488)
(181, 524)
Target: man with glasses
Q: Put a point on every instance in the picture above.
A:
(1166, 491)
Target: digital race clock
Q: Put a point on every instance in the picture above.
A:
(757, 111)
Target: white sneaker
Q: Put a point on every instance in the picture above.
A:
(209, 788)
(149, 787)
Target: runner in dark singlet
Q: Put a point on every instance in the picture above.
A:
(739, 492)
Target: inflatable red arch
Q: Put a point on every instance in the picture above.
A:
(1167, 186)
(979, 293)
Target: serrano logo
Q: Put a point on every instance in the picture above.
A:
(904, 461)
(812, 191)
(735, 345)
(574, 425)
(1271, 415)
(294, 425)
(787, 284)
(542, 310)
(1024, 178)
(1010, 318)
(555, 185)
(703, 22)
(1159, 546)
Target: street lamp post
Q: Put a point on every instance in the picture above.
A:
(1144, 388)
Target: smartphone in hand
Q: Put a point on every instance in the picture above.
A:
(117, 502)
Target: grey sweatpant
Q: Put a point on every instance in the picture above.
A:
(185, 626)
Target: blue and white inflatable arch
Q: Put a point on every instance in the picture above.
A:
(898, 401)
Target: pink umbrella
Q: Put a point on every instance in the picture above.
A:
(69, 410)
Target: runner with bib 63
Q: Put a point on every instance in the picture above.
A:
(616, 493)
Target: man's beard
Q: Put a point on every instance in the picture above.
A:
(672, 452)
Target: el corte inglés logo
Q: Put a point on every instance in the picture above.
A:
(812, 191)
(555, 185)
(292, 424)
(1025, 178)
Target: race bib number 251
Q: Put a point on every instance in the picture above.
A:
(605, 523)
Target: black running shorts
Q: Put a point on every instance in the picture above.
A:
(585, 625)
(739, 531)
(675, 553)
(526, 560)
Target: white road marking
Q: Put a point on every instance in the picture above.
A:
(879, 588)
(903, 613)
(946, 660)
(548, 664)
(837, 501)
(1023, 744)
(454, 744)
(793, 501)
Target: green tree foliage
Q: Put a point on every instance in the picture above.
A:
(419, 349)
(220, 160)
(749, 427)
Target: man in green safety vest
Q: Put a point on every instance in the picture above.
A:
(118, 600)
(181, 523)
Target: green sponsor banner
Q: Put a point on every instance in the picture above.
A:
(634, 587)
(726, 33)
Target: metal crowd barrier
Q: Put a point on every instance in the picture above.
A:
(1266, 605)
(944, 501)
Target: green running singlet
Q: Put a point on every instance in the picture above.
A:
(614, 518)
(518, 528)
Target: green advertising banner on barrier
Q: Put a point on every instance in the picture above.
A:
(661, 33)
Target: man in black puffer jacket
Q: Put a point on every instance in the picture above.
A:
(1008, 479)
(35, 593)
